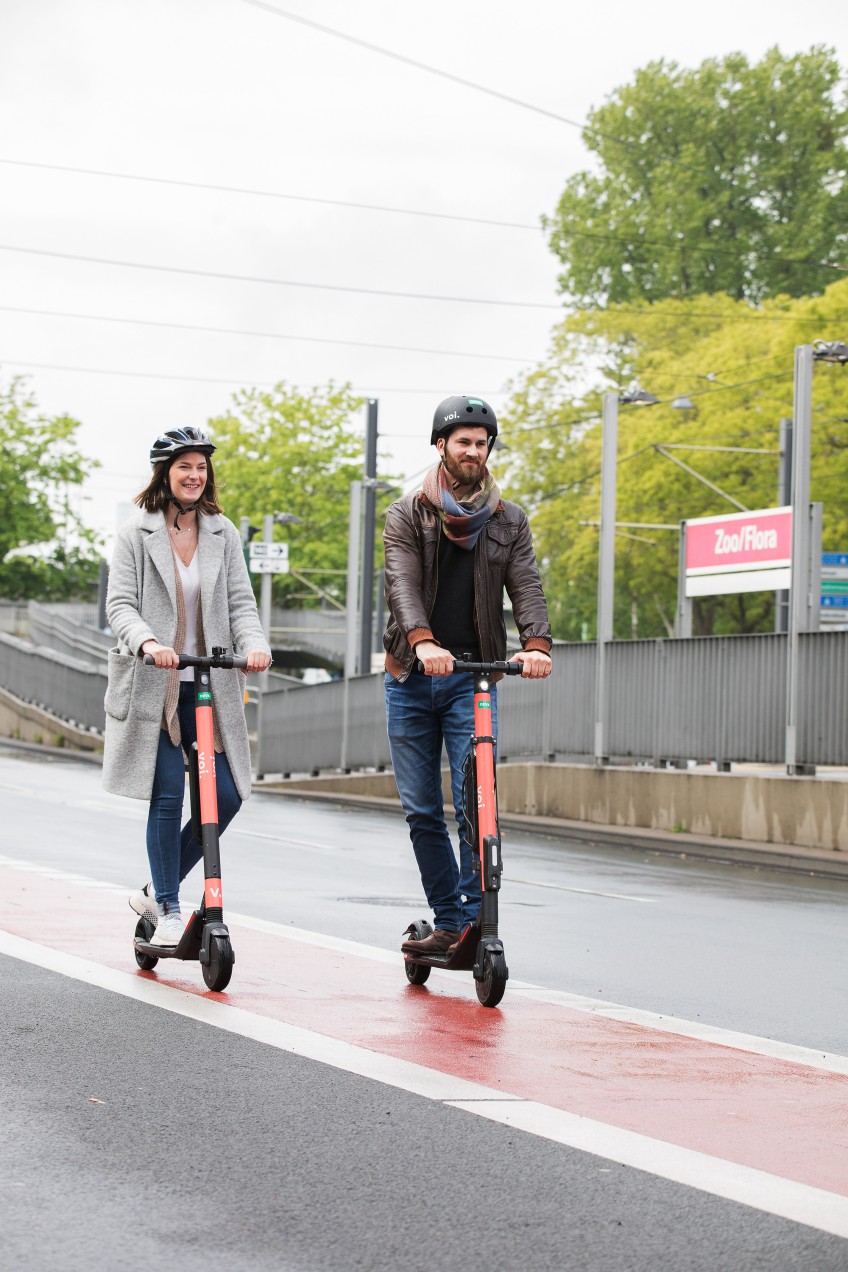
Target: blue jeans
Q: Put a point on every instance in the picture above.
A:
(423, 713)
(172, 851)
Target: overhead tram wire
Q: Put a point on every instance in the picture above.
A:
(633, 242)
(399, 295)
(277, 282)
(457, 79)
(267, 335)
(274, 194)
(242, 381)
(692, 393)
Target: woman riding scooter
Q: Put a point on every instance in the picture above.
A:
(178, 581)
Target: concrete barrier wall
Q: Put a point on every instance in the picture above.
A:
(809, 812)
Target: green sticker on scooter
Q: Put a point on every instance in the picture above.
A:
(485, 706)
(204, 696)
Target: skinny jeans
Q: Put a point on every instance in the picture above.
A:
(424, 715)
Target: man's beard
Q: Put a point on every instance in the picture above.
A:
(464, 474)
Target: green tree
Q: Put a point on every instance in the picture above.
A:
(46, 553)
(737, 371)
(728, 178)
(283, 450)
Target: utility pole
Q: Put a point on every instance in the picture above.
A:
(799, 588)
(265, 595)
(352, 602)
(366, 596)
(606, 565)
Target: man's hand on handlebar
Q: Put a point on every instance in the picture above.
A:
(435, 660)
(258, 660)
(537, 664)
(162, 655)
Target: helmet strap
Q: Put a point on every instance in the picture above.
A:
(183, 508)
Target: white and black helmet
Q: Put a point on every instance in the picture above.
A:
(176, 440)
(460, 409)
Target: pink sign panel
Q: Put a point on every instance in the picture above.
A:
(739, 541)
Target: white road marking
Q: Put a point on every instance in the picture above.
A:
(828, 1062)
(799, 1203)
(589, 892)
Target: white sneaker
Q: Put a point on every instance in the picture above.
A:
(169, 930)
(144, 903)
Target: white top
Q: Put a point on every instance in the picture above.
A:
(189, 576)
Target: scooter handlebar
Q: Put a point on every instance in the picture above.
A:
(225, 661)
(484, 668)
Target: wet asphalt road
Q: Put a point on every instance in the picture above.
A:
(754, 950)
(242, 1153)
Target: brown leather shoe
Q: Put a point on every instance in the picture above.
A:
(438, 942)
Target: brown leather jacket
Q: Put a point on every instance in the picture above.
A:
(503, 558)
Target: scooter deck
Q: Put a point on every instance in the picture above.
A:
(462, 959)
(188, 949)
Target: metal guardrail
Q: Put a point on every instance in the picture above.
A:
(720, 698)
(67, 687)
(70, 631)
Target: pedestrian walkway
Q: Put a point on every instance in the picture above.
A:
(759, 1122)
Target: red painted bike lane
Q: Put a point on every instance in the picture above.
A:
(774, 1115)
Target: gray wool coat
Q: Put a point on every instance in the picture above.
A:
(141, 605)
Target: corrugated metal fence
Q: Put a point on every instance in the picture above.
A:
(712, 698)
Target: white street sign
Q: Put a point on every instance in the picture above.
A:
(262, 549)
(269, 565)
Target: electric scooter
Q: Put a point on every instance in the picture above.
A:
(480, 948)
(206, 938)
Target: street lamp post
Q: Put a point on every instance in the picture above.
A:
(606, 551)
(801, 601)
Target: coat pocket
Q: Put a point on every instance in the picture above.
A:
(121, 673)
(150, 685)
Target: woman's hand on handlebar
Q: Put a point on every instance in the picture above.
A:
(258, 660)
(435, 660)
(537, 664)
(162, 655)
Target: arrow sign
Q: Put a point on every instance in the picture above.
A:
(269, 565)
(262, 550)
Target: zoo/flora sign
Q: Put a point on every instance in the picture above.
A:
(739, 552)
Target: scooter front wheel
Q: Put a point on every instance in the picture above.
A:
(490, 990)
(416, 973)
(144, 929)
(219, 969)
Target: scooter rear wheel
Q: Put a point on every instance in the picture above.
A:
(144, 929)
(219, 969)
(416, 973)
(490, 990)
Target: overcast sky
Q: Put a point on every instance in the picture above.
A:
(227, 93)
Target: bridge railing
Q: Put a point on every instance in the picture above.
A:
(718, 698)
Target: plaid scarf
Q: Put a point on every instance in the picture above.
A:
(462, 522)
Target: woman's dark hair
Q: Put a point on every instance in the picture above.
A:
(155, 494)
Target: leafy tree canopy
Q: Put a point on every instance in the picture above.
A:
(45, 551)
(728, 178)
(283, 450)
(737, 370)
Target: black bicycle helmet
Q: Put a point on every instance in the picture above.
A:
(461, 409)
(176, 440)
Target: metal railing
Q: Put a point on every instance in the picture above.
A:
(720, 698)
(70, 630)
(67, 687)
